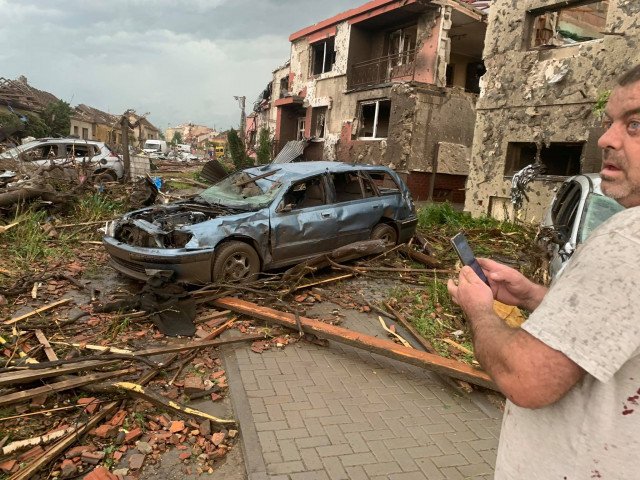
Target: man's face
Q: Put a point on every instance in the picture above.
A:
(621, 146)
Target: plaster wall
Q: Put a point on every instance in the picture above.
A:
(540, 96)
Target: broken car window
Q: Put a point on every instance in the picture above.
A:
(309, 193)
(598, 209)
(241, 190)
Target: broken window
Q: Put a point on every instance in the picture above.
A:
(302, 122)
(75, 130)
(559, 158)
(347, 186)
(401, 46)
(568, 23)
(284, 86)
(305, 194)
(318, 122)
(385, 183)
(43, 152)
(374, 118)
(323, 56)
(85, 133)
(80, 151)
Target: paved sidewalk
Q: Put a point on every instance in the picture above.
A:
(310, 412)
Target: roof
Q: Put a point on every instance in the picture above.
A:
(19, 94)
(481, 5)
(95, 115)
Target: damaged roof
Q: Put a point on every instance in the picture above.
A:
(19, 94)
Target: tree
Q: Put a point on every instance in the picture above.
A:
(177, 138)
(237, 152)
(57, 118)
(263, 152)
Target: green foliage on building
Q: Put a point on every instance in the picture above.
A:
(263, 151)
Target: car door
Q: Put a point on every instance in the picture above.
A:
(43, 154)
(358, 208)
(302, 224)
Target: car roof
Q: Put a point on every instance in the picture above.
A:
(589, 181)
(65, 140)
(297, 170)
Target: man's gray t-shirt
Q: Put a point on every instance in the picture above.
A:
(592, 315)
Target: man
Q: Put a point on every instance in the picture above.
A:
(571, 374)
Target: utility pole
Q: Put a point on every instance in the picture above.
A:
(243, 117)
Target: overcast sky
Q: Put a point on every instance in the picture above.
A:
(180, 60)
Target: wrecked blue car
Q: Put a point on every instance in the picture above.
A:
(263, 218)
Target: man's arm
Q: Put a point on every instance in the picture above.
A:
(528, 372)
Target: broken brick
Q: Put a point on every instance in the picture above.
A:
(105, 431)
(217, 438)
(68, 468)
(218, 374)
(215, 397)
(193, 384)
(176, 426)
(136, 460)
(184, 455)
(91, 404)
(118, 418)
(78, 451)
(10, 466)
(205, 427)
(100, 473)
(163, 420)
(133, 435)
(93, 458)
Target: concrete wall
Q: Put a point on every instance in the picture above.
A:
(540, 96)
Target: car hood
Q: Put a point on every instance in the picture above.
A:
(181, 225)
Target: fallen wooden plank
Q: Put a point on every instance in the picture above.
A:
(211, 316)
(426, 344)
(27, 376)
(98, 348)
(61, 386)
(48, 351)
(158, 400)
(215, 333)
(11, 321)
(386, 348)
(56, 450)
(391, 332)
(320, 282)
(21, 353)
(197, 344)
(32, 442)
(420, 257)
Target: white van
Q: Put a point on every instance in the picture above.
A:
(155, 147)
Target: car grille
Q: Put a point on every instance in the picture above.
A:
(130, 265)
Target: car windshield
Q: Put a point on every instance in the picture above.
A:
(598, 209)
(151, 146)
(240, 191)
(15, 151)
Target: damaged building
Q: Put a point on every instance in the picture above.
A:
(392, 82)
(549, 67)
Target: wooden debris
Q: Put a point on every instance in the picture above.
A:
(457, 346)
(32, 442)
(27, 376)
(48, 351)
(138, 391)
(4, 228)
(64, 301)
(426, 344)
(98, 348)
(387, 329)
(61, 386)
(20, 352)
(420, 257)
(386, 348)
(321, 282)
(56, 450)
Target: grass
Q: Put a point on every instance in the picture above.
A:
(97, 207)
(118, 326)
(430, 308)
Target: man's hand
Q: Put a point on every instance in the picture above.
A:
(511, 287)
(471, 293)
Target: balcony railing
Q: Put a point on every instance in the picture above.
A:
(382, 70)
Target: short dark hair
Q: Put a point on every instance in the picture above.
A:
(631, 76)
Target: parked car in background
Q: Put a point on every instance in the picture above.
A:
(577, 209)
(102, 160)
(262, 218)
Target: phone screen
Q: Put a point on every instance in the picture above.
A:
(462, 248)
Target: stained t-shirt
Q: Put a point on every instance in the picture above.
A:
(592, 315)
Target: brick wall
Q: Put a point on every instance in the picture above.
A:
(449, 188)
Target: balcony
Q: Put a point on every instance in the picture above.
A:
(399, 66)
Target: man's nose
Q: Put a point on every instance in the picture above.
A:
(611, 138)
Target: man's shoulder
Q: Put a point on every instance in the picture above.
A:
(625, 222)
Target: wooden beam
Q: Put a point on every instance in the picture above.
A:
(48, 351)
(61, 386)
(387, 348)
(197, 344)
(27, 376)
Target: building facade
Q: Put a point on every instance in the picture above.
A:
(391, 82)
(549, 63)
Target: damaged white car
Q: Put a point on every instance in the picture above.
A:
(263, 218)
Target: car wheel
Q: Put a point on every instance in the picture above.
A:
(104, 177)
(235, 261)
(385, 232)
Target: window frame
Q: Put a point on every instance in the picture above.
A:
(376, 118)
(328, 56)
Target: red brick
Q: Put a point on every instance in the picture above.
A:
(77, 451)
(29, 454)
(185, 455)
(193, 384)
(100, 473)
(68, 468)
(217, 438)
(176, 426)
(136, 461)
(93, 458)
(133, 435)
(118, 418)
(10, 466)
(105, 431)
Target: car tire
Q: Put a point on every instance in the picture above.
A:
(105, 176)
(385, 232)
(235, 261)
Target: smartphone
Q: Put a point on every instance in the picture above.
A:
(462, 248)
